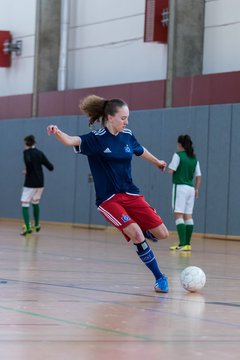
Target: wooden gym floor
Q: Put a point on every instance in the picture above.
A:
(69, 293)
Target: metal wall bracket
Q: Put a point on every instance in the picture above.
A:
(9, 47)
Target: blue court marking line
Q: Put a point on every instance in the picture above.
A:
(164, 312)
(158, 296)
(77, 324)
(222, 303)
(163, 296)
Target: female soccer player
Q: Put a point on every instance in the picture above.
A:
(186, 177)
(109, 151)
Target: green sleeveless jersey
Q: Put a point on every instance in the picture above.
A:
(184, 173)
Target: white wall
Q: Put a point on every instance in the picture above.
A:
(19, 18)
(221, 36)
(106, 44)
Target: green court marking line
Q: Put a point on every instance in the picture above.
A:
(78, 324)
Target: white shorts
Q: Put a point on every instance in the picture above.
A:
(31, 195)
(183, 197)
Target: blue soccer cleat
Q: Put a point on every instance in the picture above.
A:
(161, 285)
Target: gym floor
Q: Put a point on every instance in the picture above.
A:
(71, 293)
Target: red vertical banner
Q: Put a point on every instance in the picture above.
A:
(156, 21)
(5, 56)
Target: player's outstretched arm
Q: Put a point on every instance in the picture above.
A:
(161, 164)
(62, 137)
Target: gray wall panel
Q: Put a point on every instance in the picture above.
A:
(59, 193)
(11, 179)
(218, 169)
(148, 129)
(192, 121)
(85, 211)
(234, 174)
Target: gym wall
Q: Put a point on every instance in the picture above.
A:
(69, 194)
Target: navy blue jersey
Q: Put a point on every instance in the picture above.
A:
(109, 158)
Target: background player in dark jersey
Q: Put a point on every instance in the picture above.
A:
(109, 151)
(186, 177)
(33, 187)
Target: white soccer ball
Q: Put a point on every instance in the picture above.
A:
(193, 278)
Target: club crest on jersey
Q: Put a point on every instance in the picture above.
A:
(127, 149)
(125, 218)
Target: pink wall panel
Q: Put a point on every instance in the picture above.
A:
(187, 91)
(225, 88)
(51, 103)
(139, 96)
(72, 97)
(207, 89)
(18, 106)
(149, 95)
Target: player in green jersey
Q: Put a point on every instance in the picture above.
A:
(186, 178)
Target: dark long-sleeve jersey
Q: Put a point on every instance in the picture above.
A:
(34, 159)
